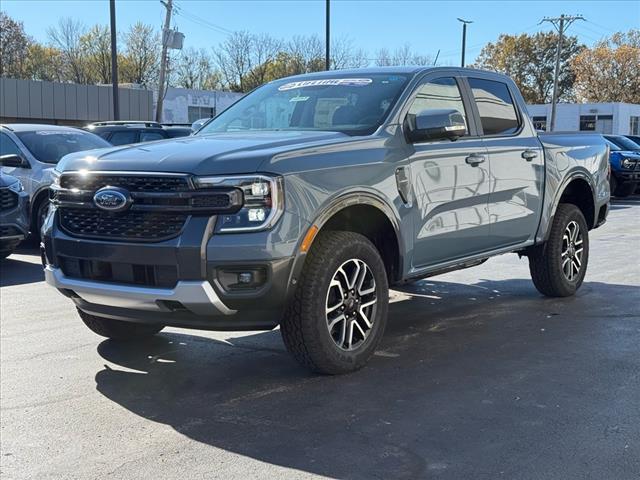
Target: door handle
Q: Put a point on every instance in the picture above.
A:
(529, 155)
(474, 159)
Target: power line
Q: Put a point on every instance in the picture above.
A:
(561, 23)
(180, 10)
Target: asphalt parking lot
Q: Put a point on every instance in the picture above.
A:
(478, 377)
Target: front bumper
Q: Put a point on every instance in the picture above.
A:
(195, 300)
(14, 223)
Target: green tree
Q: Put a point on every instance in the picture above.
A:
(530, 61)
(140, 60)
(13, 47)
(43, 63)
(95, 47)
(610, 71)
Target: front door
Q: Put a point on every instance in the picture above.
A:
(517, 164)
(450, 180)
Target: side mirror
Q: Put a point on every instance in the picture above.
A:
(14, 160)
(436, 124)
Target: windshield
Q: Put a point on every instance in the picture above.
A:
(49, 146)
(352, 105)
(624, 143)
(612, 146)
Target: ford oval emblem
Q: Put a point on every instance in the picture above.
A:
(112, 199)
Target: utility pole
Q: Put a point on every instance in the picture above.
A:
(163, 58)
(464, 37)
(114, 60)
(327, 39)
(561, 23)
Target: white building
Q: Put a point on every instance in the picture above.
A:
(613, 118)
(182, 105)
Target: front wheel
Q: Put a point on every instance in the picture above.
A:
(339, 311)
(559, 265)
(118, 329)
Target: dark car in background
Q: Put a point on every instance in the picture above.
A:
(14, 214)
(128, 132)
(30, 152)
(634, 138)
(625, 165)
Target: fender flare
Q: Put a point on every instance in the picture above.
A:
(334, 206)
(576, 175)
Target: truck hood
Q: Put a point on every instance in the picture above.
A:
(213, 154)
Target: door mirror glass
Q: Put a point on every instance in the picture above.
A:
(14, 160)
(436, 124)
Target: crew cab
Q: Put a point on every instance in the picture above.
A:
(305, 201)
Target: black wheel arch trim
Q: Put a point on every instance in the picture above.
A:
(336, 205)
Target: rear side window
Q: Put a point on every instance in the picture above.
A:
(123, 138)
(8, 146)
(495, 105)
(150, 136)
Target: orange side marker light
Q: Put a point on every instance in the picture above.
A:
(308, 239)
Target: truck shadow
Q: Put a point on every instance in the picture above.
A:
(464, 371)
(17, 271)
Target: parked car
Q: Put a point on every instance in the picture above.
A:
(14, 214)
(634, 138)
(128, 132)
(30, 152)
(304, 201)
(625, 165)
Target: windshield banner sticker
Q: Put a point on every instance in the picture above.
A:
(343, 82)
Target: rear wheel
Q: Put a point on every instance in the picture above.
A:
(118, 329)
(339, 311)
(559, 265)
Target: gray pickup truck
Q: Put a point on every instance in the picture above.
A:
(302, 203)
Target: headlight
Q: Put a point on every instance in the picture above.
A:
(55, 178)
(16, 186)
(262, 206)
(628, 163)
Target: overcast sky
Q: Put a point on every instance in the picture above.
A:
(428, 26)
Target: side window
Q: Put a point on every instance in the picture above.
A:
(123, 138)
(8, 146)
(151, 136)
(495, 105)
(441, 93)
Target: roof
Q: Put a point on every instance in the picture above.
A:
(29, 127)
(405, 70)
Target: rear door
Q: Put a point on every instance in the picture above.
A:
(450, 180)
(516, 159)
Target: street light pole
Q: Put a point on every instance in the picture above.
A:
(114, 61)
(464, 38)
(327, 47)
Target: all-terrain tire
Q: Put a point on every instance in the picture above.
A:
(547, 262)
(305, 326)
(118, 329)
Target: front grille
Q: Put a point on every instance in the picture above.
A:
(162, 276)
(133, 183)
(130, 225)
(8, 199)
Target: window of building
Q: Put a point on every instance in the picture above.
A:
(634, 126)
(539, 123)
(596, 123)
(497, 112)
(441, 93)
(196, 113)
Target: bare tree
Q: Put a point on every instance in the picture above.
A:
(95, 46)
(345, 55)
(66, 37)
(403, 55)
(306, 54)
(264, 50)
(141, 57)
(194, 69)
(233, 58)
(13, 46)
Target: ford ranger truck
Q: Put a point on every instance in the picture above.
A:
(305, 201)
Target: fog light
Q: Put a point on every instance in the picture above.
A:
(257, 215)
(241, 278)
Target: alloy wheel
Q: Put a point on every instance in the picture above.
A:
(351, 304)
(572, 250)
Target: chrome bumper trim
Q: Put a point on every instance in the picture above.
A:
(198, 296)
